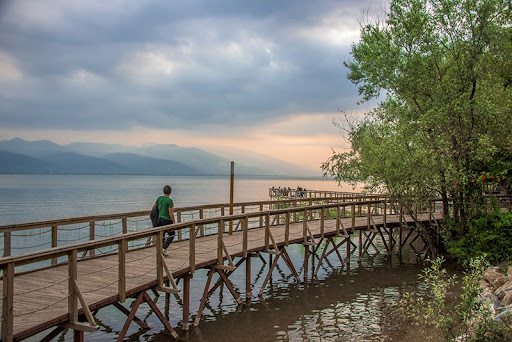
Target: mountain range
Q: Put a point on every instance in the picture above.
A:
(19, 156)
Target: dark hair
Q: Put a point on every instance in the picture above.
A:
(167, 190)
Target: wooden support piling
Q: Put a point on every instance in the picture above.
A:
(248, 286)
(186, 301)
(306, 262)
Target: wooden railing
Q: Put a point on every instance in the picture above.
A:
(304, 193)
(290, 212)
(22, 237)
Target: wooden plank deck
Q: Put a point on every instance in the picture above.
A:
(40, 297)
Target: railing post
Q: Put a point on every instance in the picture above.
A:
(368, 214)
(385, 218)
(7, 243)
(322, 218)
(304, 225)
(8, 302)
(267, 232)
(245, 228)
(201, 226)
(338, 218)
(430, 213)
(72, 297)
(55, 240)
(125, 224)
(159, 261)
(287, 229)
(180, 233)
(192, 248)
(92, 236)
(220, 233)
(401, 213)
(400, 229)
(353, 216)
(121, 285)
(261, 217)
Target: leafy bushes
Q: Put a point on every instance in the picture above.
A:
(488, 234)
(466, 319)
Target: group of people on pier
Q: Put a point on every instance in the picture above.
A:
(288, 192)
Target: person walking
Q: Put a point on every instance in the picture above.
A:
(165, 216)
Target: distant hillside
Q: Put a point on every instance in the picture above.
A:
(16, 163)
(206, 162)
(95, 158)
(36, 149)
(203, 162)
(97, 149)
(279, 166)
(150, 166)
(74, 163)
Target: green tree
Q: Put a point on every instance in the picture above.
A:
(444, 67)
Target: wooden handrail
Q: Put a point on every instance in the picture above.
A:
(106, 217)
(55, 252)
(94, 221)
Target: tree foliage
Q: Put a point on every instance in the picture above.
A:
(445, 70)
(488, 235)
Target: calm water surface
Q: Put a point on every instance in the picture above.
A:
(341, 305)
(42, 197)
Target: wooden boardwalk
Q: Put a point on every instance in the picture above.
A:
(48, 297)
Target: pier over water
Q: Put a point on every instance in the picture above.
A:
(64, 286)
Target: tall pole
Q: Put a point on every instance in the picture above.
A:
(231, 192)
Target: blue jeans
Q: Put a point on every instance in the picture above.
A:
(170, 233)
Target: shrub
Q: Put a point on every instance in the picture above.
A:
(467, 319)
(489, 234)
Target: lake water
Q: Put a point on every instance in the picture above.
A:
(341, 305)
(26, 198)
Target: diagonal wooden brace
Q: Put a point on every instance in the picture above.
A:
(288, 261)
(220, 270)
(172, 282)
(327, 252)
(143, 296)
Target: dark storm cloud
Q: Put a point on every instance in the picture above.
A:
(96, 64)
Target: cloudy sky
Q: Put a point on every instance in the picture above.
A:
(264, 76)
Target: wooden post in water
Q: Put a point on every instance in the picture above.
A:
(231, 193)
(248, 278)
(186, 301)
